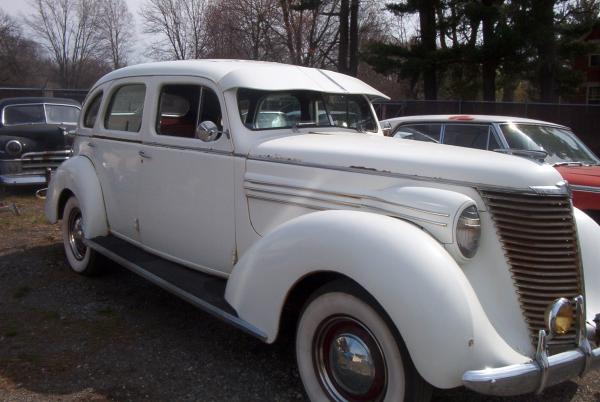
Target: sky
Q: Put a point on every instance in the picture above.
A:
(20, 8)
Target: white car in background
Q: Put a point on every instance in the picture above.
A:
(267, 195)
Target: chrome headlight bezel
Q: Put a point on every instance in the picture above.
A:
(467, 231)
(13, 147)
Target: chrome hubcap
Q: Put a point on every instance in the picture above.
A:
(76, 238)
(349, 361)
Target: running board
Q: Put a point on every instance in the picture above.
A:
(204, 291)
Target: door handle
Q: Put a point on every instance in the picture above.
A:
(143, 154)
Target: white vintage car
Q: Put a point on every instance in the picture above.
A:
(266, 195)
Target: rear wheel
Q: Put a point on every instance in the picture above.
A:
(80, 257)
(347, 352)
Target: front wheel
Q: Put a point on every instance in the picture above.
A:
(80, 257)
(346, 352)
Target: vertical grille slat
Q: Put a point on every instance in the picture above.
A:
(539, 240)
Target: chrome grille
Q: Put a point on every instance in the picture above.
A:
(539, 239)
(35, 162)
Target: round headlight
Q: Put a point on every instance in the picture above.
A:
(468, 231)
(559, 316)
(13, 147)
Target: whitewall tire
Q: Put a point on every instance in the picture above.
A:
(80, 258)
(346, 351)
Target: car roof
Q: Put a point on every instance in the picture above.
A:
(268, 76)
(465, 119)
(37, 99)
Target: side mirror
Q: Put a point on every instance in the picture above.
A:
(208, 131)
(386, 128)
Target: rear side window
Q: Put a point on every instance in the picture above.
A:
(470, 136)
(419, 132)
(91, 113)
(182, 107)
(126, 108)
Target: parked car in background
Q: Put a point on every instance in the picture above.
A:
(398, 265)
(548, 142)
(35, 135)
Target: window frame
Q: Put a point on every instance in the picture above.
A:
(223, 144)
(43, 104)
(157, 114)
(420, 123)
(596, 99)
(87, 107)
(375, 130)
(108, 103)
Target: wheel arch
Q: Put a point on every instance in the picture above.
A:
(77, 177)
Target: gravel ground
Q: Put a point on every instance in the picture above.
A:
(64, 337)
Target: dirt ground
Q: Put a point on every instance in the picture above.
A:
(64, 337)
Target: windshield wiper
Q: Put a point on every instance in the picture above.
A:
(532, 153)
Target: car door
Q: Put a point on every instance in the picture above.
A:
(187, 184)
(114, 149)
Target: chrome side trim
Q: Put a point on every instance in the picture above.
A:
(190, 298)
(363, 170)
(348, 195)
(338, 203)
(585, 189)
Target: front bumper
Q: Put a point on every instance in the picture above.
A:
(543, 371)
(22, 179)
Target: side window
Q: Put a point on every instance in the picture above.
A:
(182, 107)
(419, 132)
(210, 109)
(91, 113)
(126, 108)
(467, 135)
(178, 110)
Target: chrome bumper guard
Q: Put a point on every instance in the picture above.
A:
(543, 371)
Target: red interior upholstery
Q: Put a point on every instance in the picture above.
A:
(177, 127)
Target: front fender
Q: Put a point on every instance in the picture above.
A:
(77, 175)
(414, 279)
(588, 232)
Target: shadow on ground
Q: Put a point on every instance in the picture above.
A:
(117, 337)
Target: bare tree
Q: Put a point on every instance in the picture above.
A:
(181, 26)
(21, 63)
(115, 27)
(246, 29)
(310, 31)
(68, 29)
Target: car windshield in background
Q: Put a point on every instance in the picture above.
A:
(40, 114)
(62, 114)
(24, 114)
(260, 110)
(561, 144)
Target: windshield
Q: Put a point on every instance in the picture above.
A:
(24, 114)
(40, 113)
(561, 144)
(62, 114)
(260, 110)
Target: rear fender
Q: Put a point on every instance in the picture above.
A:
(77, 176)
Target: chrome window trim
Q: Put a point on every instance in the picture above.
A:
(35, 104)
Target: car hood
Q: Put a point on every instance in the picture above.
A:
(384, 155)
(581, 175)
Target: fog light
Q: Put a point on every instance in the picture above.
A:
(559, 316)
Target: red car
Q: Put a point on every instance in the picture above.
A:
(541, 140)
